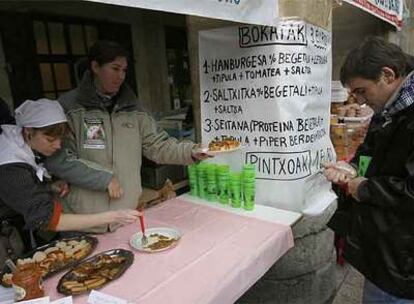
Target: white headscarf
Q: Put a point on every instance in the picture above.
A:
(40, 113)
(30, 114)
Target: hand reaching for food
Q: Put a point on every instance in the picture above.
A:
(124, 216)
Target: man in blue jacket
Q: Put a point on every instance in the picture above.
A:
(375, 214)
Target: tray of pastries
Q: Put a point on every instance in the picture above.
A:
(54, 257)
(95, 272)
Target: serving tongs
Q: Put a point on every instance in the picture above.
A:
(144, 239)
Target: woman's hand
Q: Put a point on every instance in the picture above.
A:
(340, 172)
(123, 216)
(114, 188)
(200, 153)
(60, 187)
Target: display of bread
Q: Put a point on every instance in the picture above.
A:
(55, 257)
(95, 272)
(223, 145)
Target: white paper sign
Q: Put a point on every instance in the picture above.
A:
(246, 11)
(388, 10)
(269, 87)
(66, 300)
(44, 300)
(96, 297)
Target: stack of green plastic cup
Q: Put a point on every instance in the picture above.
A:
(211, 182)
(223, 176)
(201, 180)
(235, 189)
(249, 186)
(192, 178)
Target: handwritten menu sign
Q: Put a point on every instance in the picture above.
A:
(269, 88)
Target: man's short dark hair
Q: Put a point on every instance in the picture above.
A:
(368, 59)
(105, 51)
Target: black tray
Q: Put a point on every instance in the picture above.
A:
(129, 259)
(93, 241)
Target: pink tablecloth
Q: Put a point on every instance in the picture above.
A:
(218, 258)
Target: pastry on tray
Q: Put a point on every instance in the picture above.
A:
(95, 272)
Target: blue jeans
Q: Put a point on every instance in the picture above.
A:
(374, 295)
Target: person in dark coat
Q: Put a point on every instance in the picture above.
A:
(375, 213)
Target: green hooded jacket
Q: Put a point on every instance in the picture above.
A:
(103, 144)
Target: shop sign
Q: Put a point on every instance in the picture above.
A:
(270, 88)
(245, 11)
(388, 10)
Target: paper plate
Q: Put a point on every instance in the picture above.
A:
(153, 238)
(206, 150)
(224, 151)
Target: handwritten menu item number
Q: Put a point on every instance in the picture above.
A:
(206, 95)
(207, 125)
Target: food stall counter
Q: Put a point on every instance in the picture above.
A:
(220, 255)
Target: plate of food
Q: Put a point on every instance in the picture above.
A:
(223, 146)
(158, 239)
(95, 272)
(54, 257)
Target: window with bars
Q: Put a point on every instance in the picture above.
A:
(59, 46)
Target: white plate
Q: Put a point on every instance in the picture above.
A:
(207, 151)
(223, 151)
(135, 240)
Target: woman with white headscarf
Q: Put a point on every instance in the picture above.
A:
(23, 190)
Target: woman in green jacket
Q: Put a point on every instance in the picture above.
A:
(110, 134)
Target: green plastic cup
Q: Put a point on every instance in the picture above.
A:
(248, 198)
(223, 168)
(249, 175)
(211, 191)
(193, 187)
(202, 180)
(235, 196)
